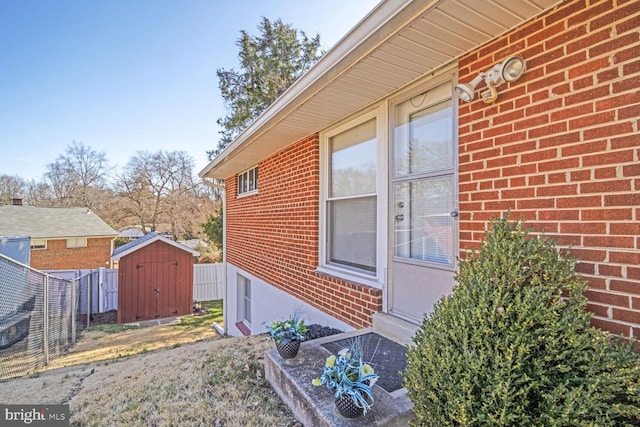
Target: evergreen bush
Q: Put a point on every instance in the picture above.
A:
(512, 345)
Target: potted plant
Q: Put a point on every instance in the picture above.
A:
(288, 334)
(352, 379)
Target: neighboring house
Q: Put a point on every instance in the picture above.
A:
(155, 278)
(61, 238)
(375, 174)
(131, 232)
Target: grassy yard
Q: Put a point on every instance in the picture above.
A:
(213, 311)
(159, 380)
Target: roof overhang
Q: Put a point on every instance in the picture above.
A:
(397, 43)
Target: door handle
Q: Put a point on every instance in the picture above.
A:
(454, 214)
(400, 217)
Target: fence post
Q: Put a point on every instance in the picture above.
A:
(74, 283)
(88, 300)
(101, 292)
(45, 298)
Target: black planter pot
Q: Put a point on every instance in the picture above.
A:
(288, 350)
(347, 407)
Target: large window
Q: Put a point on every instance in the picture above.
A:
(248, 181)
(351, 200)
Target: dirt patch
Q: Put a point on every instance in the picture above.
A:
(94, 345)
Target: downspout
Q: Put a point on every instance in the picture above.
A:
(225, 312)
(225, 321)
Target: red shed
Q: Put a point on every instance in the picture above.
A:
(155, 278)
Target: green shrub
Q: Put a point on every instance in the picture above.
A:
(512, 345)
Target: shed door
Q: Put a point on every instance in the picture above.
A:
(157, 289)
(423, 211)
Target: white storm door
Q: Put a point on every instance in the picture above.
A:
(423, 211)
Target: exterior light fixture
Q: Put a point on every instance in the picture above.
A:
(508, 70)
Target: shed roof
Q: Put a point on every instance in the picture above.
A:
(147, 240)
(52, 223)
(396, 44)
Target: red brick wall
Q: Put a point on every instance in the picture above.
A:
(274, 235)
(561, 147)
(58, 257)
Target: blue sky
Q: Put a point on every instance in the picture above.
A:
(127, 75)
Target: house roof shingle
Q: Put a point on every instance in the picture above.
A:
(52, 223)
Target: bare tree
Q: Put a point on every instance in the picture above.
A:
(38, 194)
(11, 187)
(75, 176)
(159, 188)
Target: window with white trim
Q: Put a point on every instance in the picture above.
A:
(38, 244)
(244, 300)
(77, 242)
(351, 199)
(248, 181)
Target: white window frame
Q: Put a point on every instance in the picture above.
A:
(76, 242)
(38, 244)
(251, 177)
(360, 276)
(243, 284)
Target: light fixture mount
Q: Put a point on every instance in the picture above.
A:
(509, 70)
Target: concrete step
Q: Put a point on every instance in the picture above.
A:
(394, 328)
(314, 406)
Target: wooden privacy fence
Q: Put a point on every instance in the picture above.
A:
(101, 286)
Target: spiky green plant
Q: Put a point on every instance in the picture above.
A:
(512, 345)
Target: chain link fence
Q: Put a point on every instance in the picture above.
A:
(37, 317)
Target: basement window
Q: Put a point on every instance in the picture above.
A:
(243, 304)
(248, 182)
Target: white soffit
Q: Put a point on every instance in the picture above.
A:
(396, 44)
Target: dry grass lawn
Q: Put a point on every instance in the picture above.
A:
(158, 376)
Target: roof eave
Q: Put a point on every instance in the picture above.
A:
(357, 42)
(278, 126)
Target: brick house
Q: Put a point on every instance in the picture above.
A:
(376, 173)
(61, 238)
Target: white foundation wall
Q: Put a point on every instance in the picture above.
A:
(268, 304)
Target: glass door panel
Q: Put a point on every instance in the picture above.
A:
(423, 221)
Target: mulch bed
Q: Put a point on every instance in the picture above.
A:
(107, 318)
(317, 331)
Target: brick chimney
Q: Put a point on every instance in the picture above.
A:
(16, 202)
